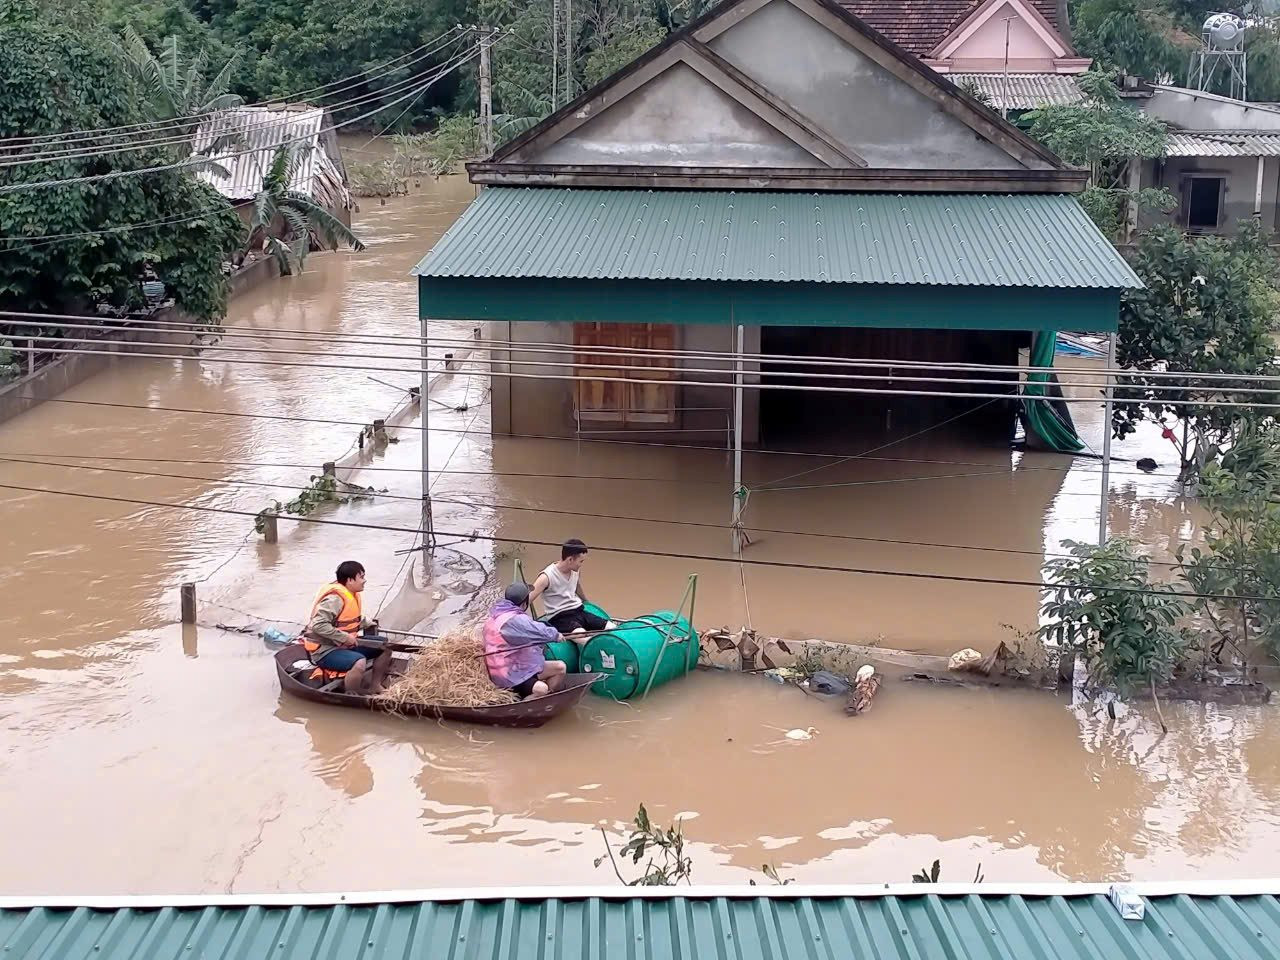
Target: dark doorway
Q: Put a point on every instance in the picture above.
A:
(838, 422)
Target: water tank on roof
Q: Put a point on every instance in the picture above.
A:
(1223, 31)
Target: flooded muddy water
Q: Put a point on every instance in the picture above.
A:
(139, 756)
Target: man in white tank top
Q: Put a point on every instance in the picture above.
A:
(560, 588)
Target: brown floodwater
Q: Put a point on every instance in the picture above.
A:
(137, 756)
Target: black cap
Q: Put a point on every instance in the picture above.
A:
(517, 593)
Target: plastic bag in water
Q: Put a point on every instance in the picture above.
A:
(829, 683)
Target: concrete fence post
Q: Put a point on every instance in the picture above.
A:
(188, 594)
(270, 528)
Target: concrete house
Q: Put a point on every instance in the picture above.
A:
(1223, 162)
(779, 179)
(1014, 51)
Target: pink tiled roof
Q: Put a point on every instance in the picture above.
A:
(920, 25)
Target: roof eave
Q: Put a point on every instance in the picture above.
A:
(861, 179)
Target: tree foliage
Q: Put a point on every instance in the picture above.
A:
(288, 223)
(623, 41)
(1208, 305)
(1241, 553)
(1136, 37)
(1104, 606)
(1102, 134)
(173, 87)
(97, 239)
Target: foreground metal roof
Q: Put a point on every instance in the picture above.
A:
(1025, 240)
(1217, 144)
(1021, 91)
(778, 923)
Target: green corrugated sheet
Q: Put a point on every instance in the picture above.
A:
(1026, 240)
(780, 926)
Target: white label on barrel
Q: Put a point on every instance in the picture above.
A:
(607, 661)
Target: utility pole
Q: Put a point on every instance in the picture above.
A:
(568, 50)
(424, 404)
(555, 55)
(1104, 505)
(486, 93)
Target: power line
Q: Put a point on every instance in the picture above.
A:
(526, 436)
(716, 356)
(284, 119)
(70, 136)
(571, 378)
(579, 363)
(292, 418)
(184, 164)
(165, 140)
(635, 551)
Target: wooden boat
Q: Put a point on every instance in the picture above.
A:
(523, 713)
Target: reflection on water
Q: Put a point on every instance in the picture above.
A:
(167, 760)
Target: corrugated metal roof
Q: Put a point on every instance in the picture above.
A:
(1183, 143)
(1022, 91)
(1027, 240)
(921, 925)
(261, 131)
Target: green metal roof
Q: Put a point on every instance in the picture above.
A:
(1024, 240)
(774, 924)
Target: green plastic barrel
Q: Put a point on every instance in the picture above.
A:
(629, 655)
(567, 650)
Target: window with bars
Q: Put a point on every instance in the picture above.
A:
(616, 400)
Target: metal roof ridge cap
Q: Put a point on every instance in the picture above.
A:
(1205, 888)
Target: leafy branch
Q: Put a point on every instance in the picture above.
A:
(323, 489)
(667, 864)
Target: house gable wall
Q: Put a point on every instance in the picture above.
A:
(887, 122)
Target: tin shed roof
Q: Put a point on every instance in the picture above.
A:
(780, 924)
(1021, 91)
(259, 132)
(1220, 144)
(986, 240)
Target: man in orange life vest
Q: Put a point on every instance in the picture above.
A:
(332, 635)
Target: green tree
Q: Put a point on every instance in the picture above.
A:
(92, 243)
(1103, 605)
(173, 88)
(1241, 553)
(1132, 36)
(624, 42)
(1208, 305)
(287, 223)
(298, 45)
(156, 20)
(1103, 133)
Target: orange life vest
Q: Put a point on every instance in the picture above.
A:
(348, 620)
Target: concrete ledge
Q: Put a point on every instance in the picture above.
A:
(71, 369)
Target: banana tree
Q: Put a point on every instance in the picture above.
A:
(171, 88)
(287, 223)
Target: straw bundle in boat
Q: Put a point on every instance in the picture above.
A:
(449, 672)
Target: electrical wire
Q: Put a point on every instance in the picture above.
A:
(636, 551)
(184, 164)
(499, 505)
(579, 363)
(98, 132)
(285, 119)
(682, 354)
(293, 418)
(633, 381)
